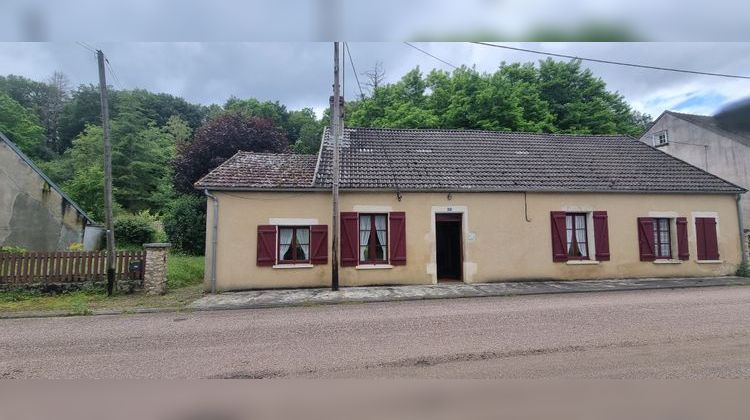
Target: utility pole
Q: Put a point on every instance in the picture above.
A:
(337, 129)
(107, 176)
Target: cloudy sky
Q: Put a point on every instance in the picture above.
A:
(300, 74)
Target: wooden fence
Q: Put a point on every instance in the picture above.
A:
(68, 267)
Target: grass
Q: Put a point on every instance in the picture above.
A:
(184, 285)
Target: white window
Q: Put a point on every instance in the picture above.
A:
(660, 138)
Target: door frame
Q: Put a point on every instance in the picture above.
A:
(463, 212)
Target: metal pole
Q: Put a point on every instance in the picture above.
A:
(107, 176)
(335, 126)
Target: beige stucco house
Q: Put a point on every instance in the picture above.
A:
(716, 145)
(425, 206)
(35, 213)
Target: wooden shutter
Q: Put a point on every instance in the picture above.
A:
(397, 243)
(646, 238)
(683, 252)
(349, 239)
(266, 245)
(319, 244)
(601, 235)
(559, 243)
(705, 235)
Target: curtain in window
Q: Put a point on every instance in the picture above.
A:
(581, 235)
(380, 226)
(569, 234)
(303, 240)
(285, 241)
(364, 236)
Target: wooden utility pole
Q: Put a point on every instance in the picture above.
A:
(337, 129)
(107, 176)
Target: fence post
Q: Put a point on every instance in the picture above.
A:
(155, 270)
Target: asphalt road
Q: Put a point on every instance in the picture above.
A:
(688, 333)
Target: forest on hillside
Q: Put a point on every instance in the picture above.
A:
(162, 144)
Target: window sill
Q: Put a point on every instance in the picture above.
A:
(709, 261)
(581, 262)
(293, 266)
(373, 266)
(667, 261)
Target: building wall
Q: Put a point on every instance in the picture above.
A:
(33, 215)
(498, 243)
(724, 157)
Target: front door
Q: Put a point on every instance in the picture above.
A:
(448, 242)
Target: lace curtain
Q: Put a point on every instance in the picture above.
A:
(285, 241)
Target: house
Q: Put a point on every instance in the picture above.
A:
(711, 143)
(423, 206)
(35, 213)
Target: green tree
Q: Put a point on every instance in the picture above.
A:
(22, 127)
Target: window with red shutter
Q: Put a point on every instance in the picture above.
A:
(683, 253)
(266, 250)
(705, 236)
(601, 235)
(349, 239)
(398, 237)
(319, 244)
(646, 238)
(559, 243)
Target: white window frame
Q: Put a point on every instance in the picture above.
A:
(655, 138)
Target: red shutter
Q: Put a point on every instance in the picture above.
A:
(319, 244)
(646, 238)
(683, 252)
(708, 245)
(559, 243)
(398, 238)
(266, 245)
(601, 235)
(349, 239)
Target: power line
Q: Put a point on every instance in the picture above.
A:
(618, 63)
(354, 69)
(436, 58)
(86, 46)
(112, 72)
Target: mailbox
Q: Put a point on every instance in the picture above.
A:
(136, 265)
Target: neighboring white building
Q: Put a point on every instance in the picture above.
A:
(708, 143)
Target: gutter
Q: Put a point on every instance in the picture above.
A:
(214, 238)
(741, 220)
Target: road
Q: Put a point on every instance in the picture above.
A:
(688, 333)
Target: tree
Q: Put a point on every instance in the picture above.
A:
(185, 224)
(58, 88)
(22, 127)
(374, 77)
(218, 140)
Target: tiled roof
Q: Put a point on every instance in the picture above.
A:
(468, 160)
(246, 170)
(713, 124)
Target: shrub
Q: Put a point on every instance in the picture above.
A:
(185, 224)
(743, 270)
(134, 229)
(12, 249)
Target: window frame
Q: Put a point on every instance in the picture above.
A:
(372, 242)
(656, 141)
(657, 238)
(293, 245)
(574, 239)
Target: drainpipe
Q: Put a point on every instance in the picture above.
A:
(741, 220)
(214, 235)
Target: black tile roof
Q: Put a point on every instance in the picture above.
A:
(469, 160)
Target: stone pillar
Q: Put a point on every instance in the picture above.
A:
(155, 274)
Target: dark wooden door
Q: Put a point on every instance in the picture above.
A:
(448, 242)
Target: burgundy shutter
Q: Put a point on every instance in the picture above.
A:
(398, 238)
(559, 242)
(708, 245)
(601, 235)
(349, 239)
(646, 238)
(266, 245)
(683, 252)
(319, 244)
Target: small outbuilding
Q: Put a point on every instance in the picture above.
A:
(425, 206)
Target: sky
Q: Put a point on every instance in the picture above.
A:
(299, 74)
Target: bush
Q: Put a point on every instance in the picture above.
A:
(134, 229)
(185, 224)
(743, 270)
(12, 249)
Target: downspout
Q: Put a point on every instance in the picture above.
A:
(741, 220)
(214, 236)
